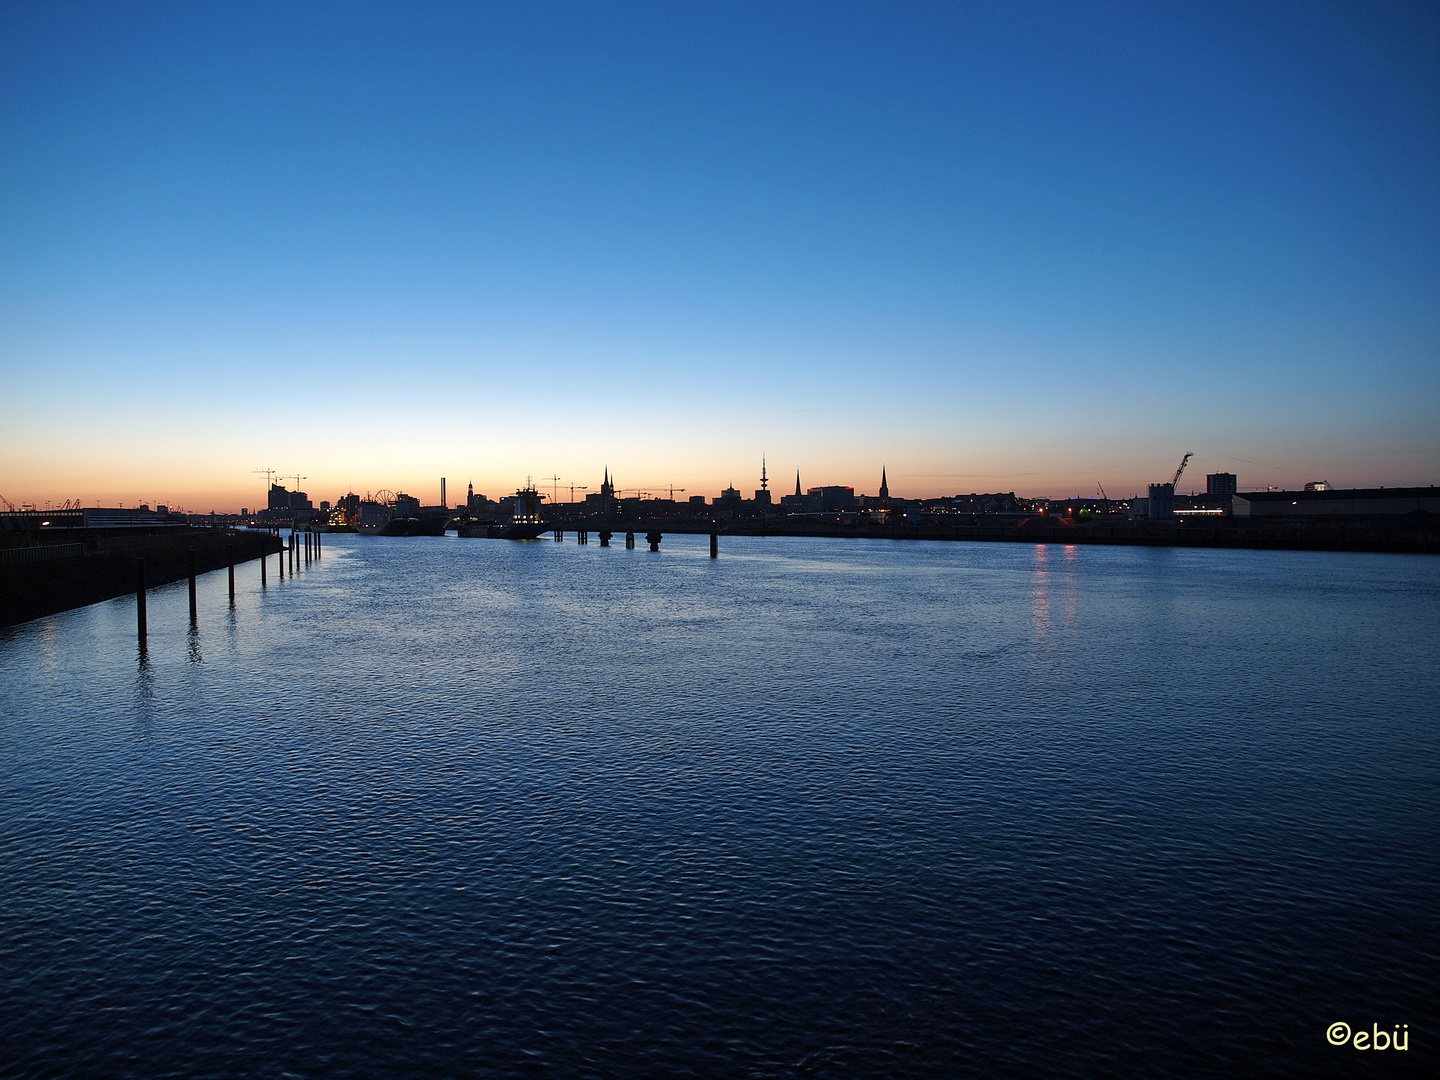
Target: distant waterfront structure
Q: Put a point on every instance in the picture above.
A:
(1161, 504)
(762, 495)
(288, 501)
(800, 503)
(835, 497)
(1353, 504)
(1223, 484)
(1317, 485)
(603, 501)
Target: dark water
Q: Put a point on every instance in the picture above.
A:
(818, 808)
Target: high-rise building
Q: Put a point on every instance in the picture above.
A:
(835, 497)
(1221, 483)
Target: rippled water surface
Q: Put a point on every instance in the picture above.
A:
(443, 807)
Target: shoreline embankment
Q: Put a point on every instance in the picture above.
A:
(79, 570)
(1397, 538)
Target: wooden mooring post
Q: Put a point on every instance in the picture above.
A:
(230, 563)
(194, 610)
(140, 601)
(629, 541)
(714, 541)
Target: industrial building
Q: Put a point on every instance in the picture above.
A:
(1353, 504)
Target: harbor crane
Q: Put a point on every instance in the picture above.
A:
(269, 475)
(646, 493)
(577, 487)
(1104, 499)
(1174, 480)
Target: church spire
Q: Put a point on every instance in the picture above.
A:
(884, 487)
(797, 481)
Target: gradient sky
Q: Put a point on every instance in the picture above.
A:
(993, 246)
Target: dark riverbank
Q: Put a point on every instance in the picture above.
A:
(1399, 537)
(89, 569)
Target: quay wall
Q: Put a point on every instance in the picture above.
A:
(103, 567)
(1397, 537)
(1289, 537)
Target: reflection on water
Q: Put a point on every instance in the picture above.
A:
(815, 808)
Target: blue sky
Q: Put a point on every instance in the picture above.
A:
(991, 246)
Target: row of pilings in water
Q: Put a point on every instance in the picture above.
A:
(653, 538)
(301, 548)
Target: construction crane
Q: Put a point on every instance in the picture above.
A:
(1104, 499)
(1183, 462)
(674, 489)
(577, 487)
(269, 475)
(554, 487)
(296, 478)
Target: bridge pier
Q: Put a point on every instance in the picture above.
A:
(605, 535)
(654, 538)
(629, 541)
